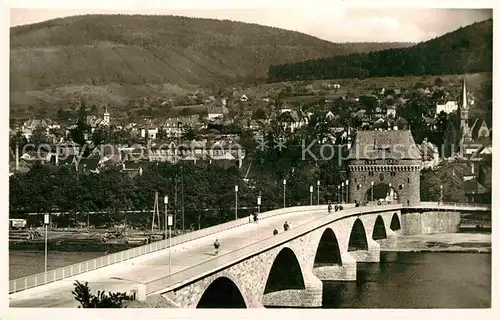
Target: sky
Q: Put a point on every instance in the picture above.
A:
(329, 21)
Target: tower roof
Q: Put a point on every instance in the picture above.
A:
(391, 144)
(464, 96)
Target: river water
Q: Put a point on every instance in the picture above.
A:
(400, 280)
(416, 280)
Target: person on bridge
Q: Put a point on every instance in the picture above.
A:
(329, 207)
(286, 226)
(336, 207)
(255, 217)
(275, 232)
(216, 246)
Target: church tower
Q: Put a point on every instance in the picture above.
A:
(106, 117)
(464, 119)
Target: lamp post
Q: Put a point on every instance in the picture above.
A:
(342, 192)
(318, 183)
(236, 202)
(311, 190)
(372, 190)
(347, 191)
(258, 226)
(284, 193)
(46, 221)
(259, 198)
(441, 194)
(390, 192)
(165, 201)
(170, 222)
(338, 193)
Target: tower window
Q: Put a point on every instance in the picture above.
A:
(408, 180)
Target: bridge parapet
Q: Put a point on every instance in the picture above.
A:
(160, 284)
(43, 278)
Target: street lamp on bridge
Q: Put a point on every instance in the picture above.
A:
(165, 201)
(311, 190)
(388, 195)
(46, 221)
(284, 193)
(318, 183)
(441, 194)
(342, 192)
(372, 190)
(338, 193)
(258, 203)
(347, 190)
(258, 226)
(236, 202)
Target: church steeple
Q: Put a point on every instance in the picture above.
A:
(465, 105)
(464, 118)
(106, 116)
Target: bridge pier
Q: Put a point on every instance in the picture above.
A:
(310, 297)
(335, 272)
(390, 242)
(370, 255)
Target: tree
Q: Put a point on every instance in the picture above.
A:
(189, 134)
(39, 136)
(438, 82)
(259, 114)
(87, 299)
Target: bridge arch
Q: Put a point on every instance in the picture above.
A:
(395, 223)
(285, 273)
(328, 250)
(357, 238)
(379, 229)
(222, 293)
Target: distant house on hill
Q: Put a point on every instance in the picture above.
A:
(29, 126)
(430, 154)
(215, 112)
(133, 168)
(448, 107)
(95, 122)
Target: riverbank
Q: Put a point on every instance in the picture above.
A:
(444, 242)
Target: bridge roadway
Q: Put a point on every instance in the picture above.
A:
(122, 277)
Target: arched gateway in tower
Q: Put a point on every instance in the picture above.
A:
(384, 165)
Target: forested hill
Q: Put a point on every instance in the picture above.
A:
(465, 50)
(139, 49)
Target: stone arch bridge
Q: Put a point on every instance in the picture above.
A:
(254, 268)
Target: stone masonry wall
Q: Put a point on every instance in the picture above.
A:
(414, 223)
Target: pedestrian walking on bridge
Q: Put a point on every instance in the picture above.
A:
(216, 246)
(286, 226)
